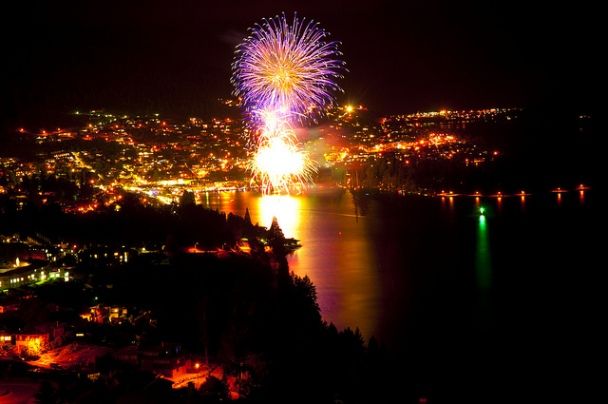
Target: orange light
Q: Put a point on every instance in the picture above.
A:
(34, 345)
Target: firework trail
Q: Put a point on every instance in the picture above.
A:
(284, 72)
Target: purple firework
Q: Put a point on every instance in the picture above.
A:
(286, 68)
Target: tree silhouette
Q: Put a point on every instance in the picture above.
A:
(247, 219)
(214, 390)
(46, 394)
(187, 199)
(276, 239)
(275, 233)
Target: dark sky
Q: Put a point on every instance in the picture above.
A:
(174, 57)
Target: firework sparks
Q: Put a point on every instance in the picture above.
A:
(279, 165)
(291, 67)
(284, 72)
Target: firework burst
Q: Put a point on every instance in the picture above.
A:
(281, 166)
(284, 72)
(286, 66)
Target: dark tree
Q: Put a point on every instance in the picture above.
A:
(247, 219)
(275, 234)
(187, 199)
(214, 390)
(46, 394)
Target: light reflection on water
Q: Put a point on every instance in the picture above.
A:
(482, 263)
(285, 208)
(400, 267)
(335, 252)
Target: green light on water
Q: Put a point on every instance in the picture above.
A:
(483, 271)
(483, 264)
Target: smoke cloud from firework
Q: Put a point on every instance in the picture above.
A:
(284, 72)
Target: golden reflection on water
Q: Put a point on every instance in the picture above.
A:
(285, 208)
(337, 252)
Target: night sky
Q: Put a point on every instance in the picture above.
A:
(174, 57)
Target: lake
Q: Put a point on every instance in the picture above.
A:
(442, 286)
